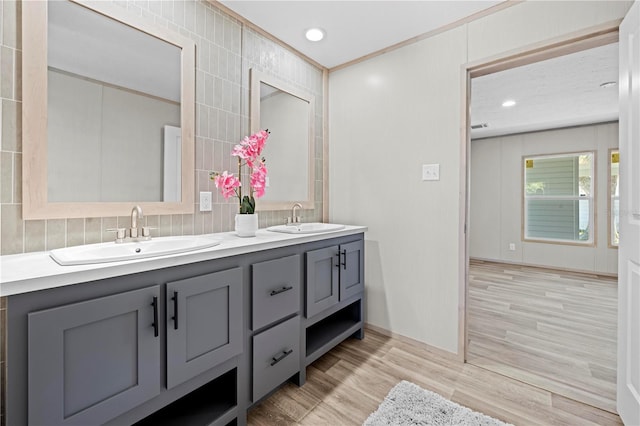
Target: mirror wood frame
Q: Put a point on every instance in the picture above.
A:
(258, 77)
(35, 204)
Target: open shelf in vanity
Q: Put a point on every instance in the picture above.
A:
(215, 403)
(329, 331)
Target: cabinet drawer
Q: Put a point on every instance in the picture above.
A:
(275, 290)
(276, 356)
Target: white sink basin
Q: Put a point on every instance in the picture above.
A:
(306, 228)
(112, 252)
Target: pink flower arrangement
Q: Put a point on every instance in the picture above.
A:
(249, 149)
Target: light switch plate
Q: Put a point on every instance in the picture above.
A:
(431, 172)
(205, 201)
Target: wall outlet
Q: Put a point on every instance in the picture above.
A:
(205, 201)
(512, 247)
(266, 183)
(431, 172)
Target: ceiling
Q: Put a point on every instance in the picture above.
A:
(353, 28)
(560, 92)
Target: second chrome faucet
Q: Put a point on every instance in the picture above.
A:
(293, 219)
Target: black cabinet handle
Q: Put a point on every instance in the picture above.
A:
(337, 265)
(344, 261)
(155, 316)
(282, 356)
(175, 310)
(280, 290)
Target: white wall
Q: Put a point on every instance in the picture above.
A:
(496, 198)
(394, 112)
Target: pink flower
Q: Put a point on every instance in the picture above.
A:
(250, 147)
(259, 179)
(242, 150)
(227, 183)
(261, 139)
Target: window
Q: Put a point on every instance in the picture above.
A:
(558, 198)
(614, 197)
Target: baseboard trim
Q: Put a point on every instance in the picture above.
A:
(552, 268)
(424, 346)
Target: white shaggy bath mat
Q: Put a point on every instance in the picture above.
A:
(409, 404)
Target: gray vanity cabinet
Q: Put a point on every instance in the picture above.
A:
(199, 343)
(333, 274)
(204, 323)
(92, 360)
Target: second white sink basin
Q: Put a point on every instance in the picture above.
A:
(306, 228)
(112, 252)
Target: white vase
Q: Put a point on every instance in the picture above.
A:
(246, 225)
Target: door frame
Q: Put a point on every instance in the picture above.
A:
(591, 37)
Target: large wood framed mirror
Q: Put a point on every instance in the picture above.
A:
(289, 114)
(107, 115)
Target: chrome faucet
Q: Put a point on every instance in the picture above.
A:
(134, 232)
(293, 218)
(136, 213)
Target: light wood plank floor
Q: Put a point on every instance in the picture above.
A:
(348, 384)
(556, 330)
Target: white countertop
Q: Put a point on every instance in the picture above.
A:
(23, 273)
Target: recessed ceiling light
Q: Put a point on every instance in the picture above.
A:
(314, 34)
(508, 103)
(608, 84)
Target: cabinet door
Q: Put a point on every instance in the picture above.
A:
(275, 288)
(351, 269)
(204, 323)
(92, 361)
(322, 279)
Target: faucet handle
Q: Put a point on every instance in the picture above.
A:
(146, 231)
(121, 233)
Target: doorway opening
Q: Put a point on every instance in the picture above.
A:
(541, 261)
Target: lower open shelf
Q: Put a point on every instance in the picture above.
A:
(330, 331)
(213, 403)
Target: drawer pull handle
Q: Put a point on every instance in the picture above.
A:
(280, 290)
(344, 256)
(337, 265)
(175, 310)
(282, 356)
(155, 316)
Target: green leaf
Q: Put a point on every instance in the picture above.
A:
(248, 205)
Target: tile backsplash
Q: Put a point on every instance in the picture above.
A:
(226, 50)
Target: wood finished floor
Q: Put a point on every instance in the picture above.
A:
(348, 383)
(556, 330)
